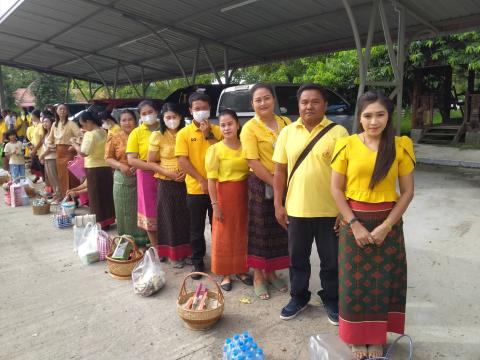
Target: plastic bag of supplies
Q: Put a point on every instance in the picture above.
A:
(148, 276)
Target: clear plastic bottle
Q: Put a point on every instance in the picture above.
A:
(259, 355)
(250, 355)
(227, 349)
(235, 353)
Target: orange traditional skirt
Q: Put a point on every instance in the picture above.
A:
(229, 236)
(65, 178)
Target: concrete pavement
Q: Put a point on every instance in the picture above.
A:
(53, 307)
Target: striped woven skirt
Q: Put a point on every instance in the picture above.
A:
(229, 236)
(125, 200)
(146, 200)
(267, 240)
(373, 280)
(100, 194)
(173, 220)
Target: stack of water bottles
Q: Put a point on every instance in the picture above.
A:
(242, 347)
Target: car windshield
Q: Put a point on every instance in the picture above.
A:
(238, 101)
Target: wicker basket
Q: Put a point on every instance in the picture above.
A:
(122, 269)
(200, 319)
(41, 209)
(4, 179)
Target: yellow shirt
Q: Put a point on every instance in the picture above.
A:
(138, 141)
(164, 145)
(93, 145)
(258, 141)
(356, 161)
(225, 164)
(115, 129)
(3, 130)
(309, 190)
(62, 133)
(20, 123)
(192, 143)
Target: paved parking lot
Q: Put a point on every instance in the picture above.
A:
(53, 307)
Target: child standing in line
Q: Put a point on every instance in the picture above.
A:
(14, 150)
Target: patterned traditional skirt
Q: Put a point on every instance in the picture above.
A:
(373, 280)
(100, 194)
(125, 200)
(146, 200)
(66, 179)
(267, 240)
(173, 234)
(229, 236)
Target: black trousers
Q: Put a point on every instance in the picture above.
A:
(301, 232)
(198, 207)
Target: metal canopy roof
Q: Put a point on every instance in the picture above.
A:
(131, 40)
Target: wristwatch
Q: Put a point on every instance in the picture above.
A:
(354, 219)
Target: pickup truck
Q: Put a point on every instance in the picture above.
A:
(238, 99)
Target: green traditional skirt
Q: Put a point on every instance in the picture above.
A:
(125, 200)
(373, 280)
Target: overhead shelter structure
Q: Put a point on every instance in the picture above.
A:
(116, 42)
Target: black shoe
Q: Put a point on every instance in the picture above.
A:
(292, 309)
(226, 286)
(198, 268)
(332, 312)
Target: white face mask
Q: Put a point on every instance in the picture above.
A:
(201, 115)
(172, 123)
(106, 126)
(149, 119)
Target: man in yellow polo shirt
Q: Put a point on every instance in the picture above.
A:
(310, 210)
(191, 147)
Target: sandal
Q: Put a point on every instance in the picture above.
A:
(375, 351)
(261, 291)
(359, 352)
(279, 284)
(227, 285)
(245, 278)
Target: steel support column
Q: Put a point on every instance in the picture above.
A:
(115, 81)
(81, 91)
(130, 81)
(397, 60)
(210, 63)
(67, 91)
(195, 62)
(225, 65)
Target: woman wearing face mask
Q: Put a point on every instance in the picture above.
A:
(267, 240)
(173, 221)
(99, 174)
(137, 153)
(109, 123)
(124, 179)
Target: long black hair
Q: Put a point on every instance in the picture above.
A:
(105, 115)
(89, 116)
(173, 107)
(57, 117)
(386, 150)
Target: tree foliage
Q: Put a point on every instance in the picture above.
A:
(338, 71)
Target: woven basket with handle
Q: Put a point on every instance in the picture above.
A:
(122, 269)
(41, 209)
(200, 319)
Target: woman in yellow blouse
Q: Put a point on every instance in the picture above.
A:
(35, 135)
(372, 261)
(173, 222)
(99, 174)
(227, 172)
(267, 240)
(137, 153)
(109, 123)
(124, 179)
(61, 135)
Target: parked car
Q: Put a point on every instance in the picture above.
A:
(181, 96)
(238, 99)
(100, 105)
